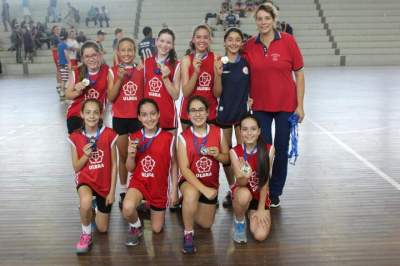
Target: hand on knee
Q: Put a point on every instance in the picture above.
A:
(260, 235)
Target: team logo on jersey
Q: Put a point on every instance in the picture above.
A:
(92, 94)
(129, 89)
(204, 82)
(155, 86)
(203, 166)
(275, 57)
(253, 181)
(96, 159)
(147, 165)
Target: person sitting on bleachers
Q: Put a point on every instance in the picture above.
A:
(93, 15)
(283, 26)
(104, 16)
(231, 20)
(240, 8)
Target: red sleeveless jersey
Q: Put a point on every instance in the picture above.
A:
(153, 166)
(97, 171)
(204, 86)
(205, 167)
(130, 93)
(155, 89)
(252, 184)
(98, 90)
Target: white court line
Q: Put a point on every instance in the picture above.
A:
(367, 163)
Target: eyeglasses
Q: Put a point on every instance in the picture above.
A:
(200, 110)
(92, 56)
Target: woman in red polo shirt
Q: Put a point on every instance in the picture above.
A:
(273, 58)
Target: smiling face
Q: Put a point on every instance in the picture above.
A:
(149, 116)
(165, 43)
(249, 131)
(233, 42)
(201, 40)
(91, 115)
(126, 52)
(91, 58)
(265, 21)
(198, 113)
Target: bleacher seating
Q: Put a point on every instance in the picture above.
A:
(330, 33)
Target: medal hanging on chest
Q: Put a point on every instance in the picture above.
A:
(93, 140)
(246, 167)
(200, 148)
(145, 145)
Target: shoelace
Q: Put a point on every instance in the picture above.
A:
(294, 134)
(188, 240)
(85, 238)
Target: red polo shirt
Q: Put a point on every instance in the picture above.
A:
(272, 86)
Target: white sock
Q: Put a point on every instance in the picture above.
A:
(240, 222)
(137, 224)
(124, 188)
(188, 232)
(87, 229)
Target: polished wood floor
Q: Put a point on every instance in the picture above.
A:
(341, 204)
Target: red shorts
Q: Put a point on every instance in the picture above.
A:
(155, 195)
(255, 199)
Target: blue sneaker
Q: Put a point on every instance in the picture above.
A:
(188, 246)
(239, 232)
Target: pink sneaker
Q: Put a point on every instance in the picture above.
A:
(84, 243)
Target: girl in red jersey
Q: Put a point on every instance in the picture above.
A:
(201, 148)
(94, 158)
(125, 90)
(89, 81)
(150, 159)
(162, 77)
(198, 74)
(251, 165)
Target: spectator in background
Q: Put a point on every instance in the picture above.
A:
(81, 38)
(101, 36)
(119, 34)
(72, 17)
(55, 40)
(93, 15)
(104, 16)
(231, 20)
(73, 49)
(52, 11)
(5, 15)
(17, 42)
(147, 47)
(63, 61)
(283, 26)
(240, 8)
(28, 44)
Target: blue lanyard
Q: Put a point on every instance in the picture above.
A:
(145, 145)
(294, 135)
(157, 69)
(202, 144)
(91, 81)
(93, 140)
(251, 153)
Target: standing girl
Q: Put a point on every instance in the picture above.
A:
(94, 159)
(162, 77)
(198, 74)
(201, 148)
(88, 81)
(251, 165)
(234, 94)
(276, 87)
(150, 159)
(125, 90)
